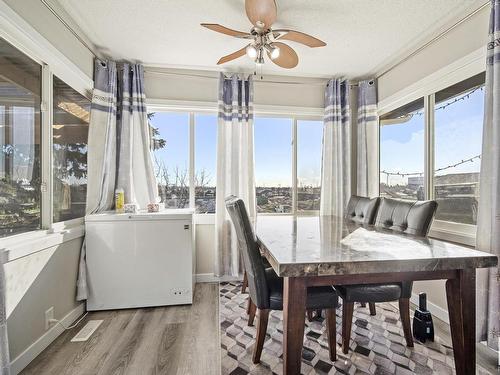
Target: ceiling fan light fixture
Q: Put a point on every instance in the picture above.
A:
(252, 51)
(274, 52)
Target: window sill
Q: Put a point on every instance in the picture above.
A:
(25, 244)
(464, 234)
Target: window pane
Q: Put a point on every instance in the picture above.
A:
(20, 173)
(70, 133)
(171, 157)
(309, 145)
(402, 152)
(273, 164)
(458, 121)
(205, 163)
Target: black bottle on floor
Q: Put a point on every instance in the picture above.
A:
(423, 328)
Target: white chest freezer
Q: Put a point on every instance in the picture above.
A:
(140, 260)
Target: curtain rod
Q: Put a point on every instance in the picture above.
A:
(433, 40)
(69, 27)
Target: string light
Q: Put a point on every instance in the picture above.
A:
(443, 106)
(404, 174)
(420, 113)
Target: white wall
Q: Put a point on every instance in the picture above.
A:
(34, 284)
(205, 249)
(195, 85)
(461, 41)
(464, 39)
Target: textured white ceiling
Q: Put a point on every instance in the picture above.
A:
(362, 36)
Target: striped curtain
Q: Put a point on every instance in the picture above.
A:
(235, 166)
(4, 340)
(367, 138)
(336, 160)
(119, 145)
(488, 223)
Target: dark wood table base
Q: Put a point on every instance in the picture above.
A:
(461, 296)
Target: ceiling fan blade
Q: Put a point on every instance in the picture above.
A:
(299, 37)
(225, 30)
(261, 11)
(232, 56)
(288, 57)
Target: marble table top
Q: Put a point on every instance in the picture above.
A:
(316, 246)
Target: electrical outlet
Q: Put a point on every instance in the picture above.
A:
(49, 314)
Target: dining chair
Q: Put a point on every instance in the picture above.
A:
(265, 287)
(402, 216)
(362, 210)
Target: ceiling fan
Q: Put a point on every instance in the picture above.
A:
(263, 39)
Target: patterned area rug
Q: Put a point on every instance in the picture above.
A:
(377, 343)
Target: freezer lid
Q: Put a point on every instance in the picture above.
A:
(168, 214)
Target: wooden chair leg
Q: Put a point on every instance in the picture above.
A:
(310, 315)
(404, 312)
(373, 310)
(261, 335)
(347, 312)
(318, 313)
(331, 327)
(249, 305)
(251, 312)
(245, 282)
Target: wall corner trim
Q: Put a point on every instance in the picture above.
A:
(24, 359)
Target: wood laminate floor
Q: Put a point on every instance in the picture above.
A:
(161, 340)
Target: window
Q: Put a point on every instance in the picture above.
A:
(431, 149)
(71, 115)
(273, 164)
(205, 163)
(185, 159)
(20, 136)
(458, 119)
(402, 152)
(309, 146)
(171, 157)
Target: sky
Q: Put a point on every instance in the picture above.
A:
(273, 147)
(458, 136)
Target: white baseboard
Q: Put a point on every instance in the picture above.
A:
(434, 309)
(24, 359)
(211, 278)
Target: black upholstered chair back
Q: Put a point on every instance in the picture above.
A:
(257, 283)
(412, 217)
(362, 210)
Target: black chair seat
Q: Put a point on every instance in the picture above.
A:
(370, 292)
(318, 298)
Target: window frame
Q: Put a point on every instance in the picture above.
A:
(22, 36)
(194, 108)
(460, 70)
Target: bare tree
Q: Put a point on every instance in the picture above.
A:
(202, 179)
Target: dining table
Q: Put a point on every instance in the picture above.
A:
(327, 250)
